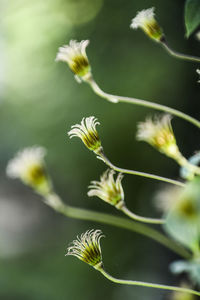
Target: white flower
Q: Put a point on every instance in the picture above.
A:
(28, 165)
(87, 248)
(198, 72)
(166, 198)
(87, 132)
(198, 35)
(146, 21)
(108, 189)
(75, 55)
(159, 133)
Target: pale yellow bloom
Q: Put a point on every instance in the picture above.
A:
(87, 132)
(87, 248)
(158, 132)
(108, 189)
(145, 20)
(28, 165)
(75, 56)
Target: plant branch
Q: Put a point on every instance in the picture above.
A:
(135, 217)
(137, 173)
(178, 54)
(56, 203)
(140, 102)
(147, 284)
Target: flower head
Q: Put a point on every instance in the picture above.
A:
(146, 21)
(159, 133)
(75, 55)
(87, 132)
(87, 248)
(28, 165)
(108, 189)
(198, 72)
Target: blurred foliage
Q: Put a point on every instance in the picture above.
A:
(40, 100)
(192, 12)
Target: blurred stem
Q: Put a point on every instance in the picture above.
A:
(137, 173)
(147, 284)
(115, 99)
(183, 162)
(135, 217)
(56, 203)
(177, 54)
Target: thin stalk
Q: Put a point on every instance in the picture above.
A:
(135, 217)
(178, 54)
(147, 284)
(137, 173)
(140, 102)
(56, 203)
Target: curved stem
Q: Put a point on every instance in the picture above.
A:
(56, 203)
(179, 55)
(160, 107)
(137, 173)
(135, 217)
(147, 284)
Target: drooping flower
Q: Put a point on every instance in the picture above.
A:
(108, 189)
(28, 165)
(145, 20)
(75, 56)
(87, 132)
(87, 248)
(159, 134)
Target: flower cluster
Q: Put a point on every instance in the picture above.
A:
(87, 248)
(146, 21)
(28, 165)
(87, 132)
(108, 189)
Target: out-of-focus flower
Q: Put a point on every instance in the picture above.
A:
(159, 134)
(87, 132)
(108, 189)
(87, 248)
(75, 55)
(28, 165)
(198, 35)
(198, 72)
(166, 198)
(145, 20)
(183, 217)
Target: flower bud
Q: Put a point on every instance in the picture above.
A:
(87, 248)
(108, 189)
(87, 132)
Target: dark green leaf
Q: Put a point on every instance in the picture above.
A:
(192, 16)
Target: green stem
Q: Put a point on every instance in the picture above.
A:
(137, 173)
(56, 203)
(179, 55)
(147, 284)
(183, 162)
(115, 99)
(135, 217)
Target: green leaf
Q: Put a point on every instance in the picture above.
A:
(192, 16)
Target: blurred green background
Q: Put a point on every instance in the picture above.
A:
(40, 100)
